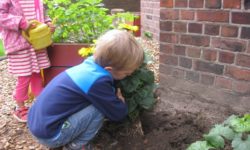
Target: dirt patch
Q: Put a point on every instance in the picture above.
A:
(162, 131)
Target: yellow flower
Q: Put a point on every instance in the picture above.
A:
(86, 51)
(128, 27)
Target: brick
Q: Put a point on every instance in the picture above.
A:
(207, 79)
(162, 57)
(166, 3)
(166, 48)
(166, 25)
(229, 31)
(229, 44)
(165, 69)
(178, 73)
(195, 40)
(166, 14)
(180, 27)
(247, 4)
(181, 3)
(211, 29)
(194, 52)
(209, 67)
(241, 18)
(187, 15)
(245, 33)
(248, 47)
(213, 16)
(237, 73)
(168, 37)
(225, 83)
(149, 17)
(241, 87)
(185, 62)
(193, 76)
(195, 28)
(232, 4)
(196, 3)
(209, 54)
(168, 59)
(243, 60)
(213, 4)
(180, 50)
(226, 57)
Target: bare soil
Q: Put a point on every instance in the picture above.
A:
(162, 131)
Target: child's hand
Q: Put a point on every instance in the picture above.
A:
(51, 26)
(119, 95)
(29, 26)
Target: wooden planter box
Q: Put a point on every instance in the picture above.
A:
(62, 56)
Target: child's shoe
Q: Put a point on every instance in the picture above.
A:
(21, 114)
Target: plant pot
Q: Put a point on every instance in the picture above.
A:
(62, 56)
(137, 22)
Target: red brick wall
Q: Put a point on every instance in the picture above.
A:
(205, 41)
(150, 15)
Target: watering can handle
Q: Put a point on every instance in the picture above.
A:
(33, 24)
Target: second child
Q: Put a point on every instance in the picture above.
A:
(23, 61)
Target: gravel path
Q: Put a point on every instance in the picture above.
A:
(14, 135)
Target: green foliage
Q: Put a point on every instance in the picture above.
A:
(200, 145)
(81, 21)
(239, 144)
(138, 89)
(241, 124)
(235, 129)
(215, 140)
(148, 35)
(1, 48)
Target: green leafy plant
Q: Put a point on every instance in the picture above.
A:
(235, 129)
(138, 90)
(148, 35)
(81, 21)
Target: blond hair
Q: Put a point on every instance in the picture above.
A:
(118, 49)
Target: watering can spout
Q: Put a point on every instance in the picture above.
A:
(39, 36)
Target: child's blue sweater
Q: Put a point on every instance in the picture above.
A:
(70, 92)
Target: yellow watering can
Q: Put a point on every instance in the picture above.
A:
(39, 36)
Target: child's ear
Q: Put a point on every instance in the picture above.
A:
(108, 68)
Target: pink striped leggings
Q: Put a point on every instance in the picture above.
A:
(22, 86)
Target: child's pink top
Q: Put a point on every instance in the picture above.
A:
(22, 58)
